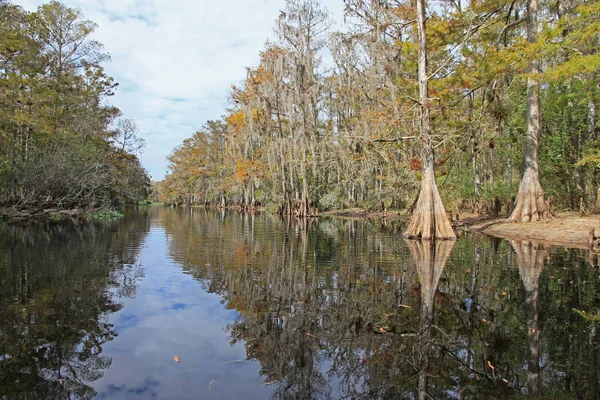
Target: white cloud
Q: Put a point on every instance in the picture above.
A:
(176, 59)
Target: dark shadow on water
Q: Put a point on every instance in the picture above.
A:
(58, 284)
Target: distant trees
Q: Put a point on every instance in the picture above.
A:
(301, 134)
(56, 130)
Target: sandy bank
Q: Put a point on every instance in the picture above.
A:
(567, 229)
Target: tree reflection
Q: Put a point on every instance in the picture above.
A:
(530, 258)
(344, 309)
(58, 286)
(430, 257)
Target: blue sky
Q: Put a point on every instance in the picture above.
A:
(175, 60)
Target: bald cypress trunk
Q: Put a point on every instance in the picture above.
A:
(530, 204)
(429, 219)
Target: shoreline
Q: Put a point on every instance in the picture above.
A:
(566, 229)
(12, 214)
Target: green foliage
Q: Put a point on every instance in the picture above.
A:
(106, 215)
(595, 317)
(331, 201)
(57, 142)
(57, 217)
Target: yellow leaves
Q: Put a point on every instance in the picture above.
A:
(237, 121)
(575, 65)
(259, 76)
(592, 158)
(176, 358)
(246, 170)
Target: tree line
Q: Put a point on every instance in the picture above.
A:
(61, 143)
(407, 96)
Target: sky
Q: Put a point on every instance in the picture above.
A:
(175, 60)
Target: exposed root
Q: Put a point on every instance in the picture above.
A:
(530, 205)
(429, 219)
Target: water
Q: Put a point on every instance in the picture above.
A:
(256, 308)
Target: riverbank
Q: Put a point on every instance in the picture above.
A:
(26, 214)
(361, 213)
(567, 229)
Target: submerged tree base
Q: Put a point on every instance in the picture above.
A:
(429, 220)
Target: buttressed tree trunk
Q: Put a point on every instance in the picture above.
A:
(429, 219)
(530, 258)
(530, 204)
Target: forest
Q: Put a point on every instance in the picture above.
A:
(424, 106)
(62, 145)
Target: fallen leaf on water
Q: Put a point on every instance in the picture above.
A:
(212, 381)
(176, 358)
(490, 365)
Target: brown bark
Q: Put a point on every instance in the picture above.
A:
(530, 204)
(429, 220)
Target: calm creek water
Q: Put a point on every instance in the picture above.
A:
(257, 308)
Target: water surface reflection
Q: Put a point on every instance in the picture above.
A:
(259, 308)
